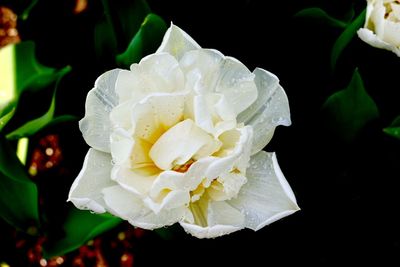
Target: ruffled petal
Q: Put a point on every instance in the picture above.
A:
(156, 73)
(177, 42)
(96, 126)
(209, 71)
(267, 196)
(129, 207)
(85, 192)
(219, 219)
(370, 38)
(182, 142)
(268, 111)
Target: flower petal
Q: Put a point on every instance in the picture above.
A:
(370, 38)
(182, 142)
(268, 111)
(156, 73)
(85, 192)
(237, 84)
(208, 232)
(222, 219)
(266, 197)
(209, 71)
(96, 126)
(127, 206)
(177, 42)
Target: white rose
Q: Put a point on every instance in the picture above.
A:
(178, 138)
(382, 25)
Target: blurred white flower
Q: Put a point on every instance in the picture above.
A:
(382, 25)
(178, 138)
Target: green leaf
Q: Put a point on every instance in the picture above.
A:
(394, 128)
(6, 114)
(121, 22)
(345, 38)
(146, 41)
(350, 109)
(25, 13)
(320, 16)
(18, 194)
(80, 226)
(30, 74)
(33, 126)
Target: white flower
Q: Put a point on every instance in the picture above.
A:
(178, 138)
(382, 25)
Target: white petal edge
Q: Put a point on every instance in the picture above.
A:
(209, 232)
(209, 71)
(372, 39)
(96, 125)
(177, 42)
(268, 111)
(127, 206)
(85, 192)
(267, 196)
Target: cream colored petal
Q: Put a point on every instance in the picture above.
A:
(156, 114)
(267, 196)
(137, 181)
(213, 113)
(172, 180)
(127, 206)
(201, 68)
(376, 20)
(236, 82)
(208, 232)
(370, 38)
(177, 42)
(222, 219)
(270, 110)
(209, 71)
(171, 200)
(156, 73)
(85, 192)
(231, 183)
(121, 145)
(182, 142)
(96, 126)
(392, 33)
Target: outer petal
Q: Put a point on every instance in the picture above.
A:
(268, 111)
(267, 196)
(177, 42)
(85, 192)
(127, 206)
(96, 126)
(370, 38)
(156, 73)
(222, 219)
(209, 71)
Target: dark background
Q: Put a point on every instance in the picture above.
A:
(348, 191)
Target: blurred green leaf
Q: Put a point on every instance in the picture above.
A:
(321, 17)
(121, 22)
(30, 74)
(6, 115)
(105, 42)
(394, 128)
(28, 9)
(18, 194)
(80, 226)
(146, 41)
(345, 38)
(125, 17)
(33, 126)
(350, 109)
